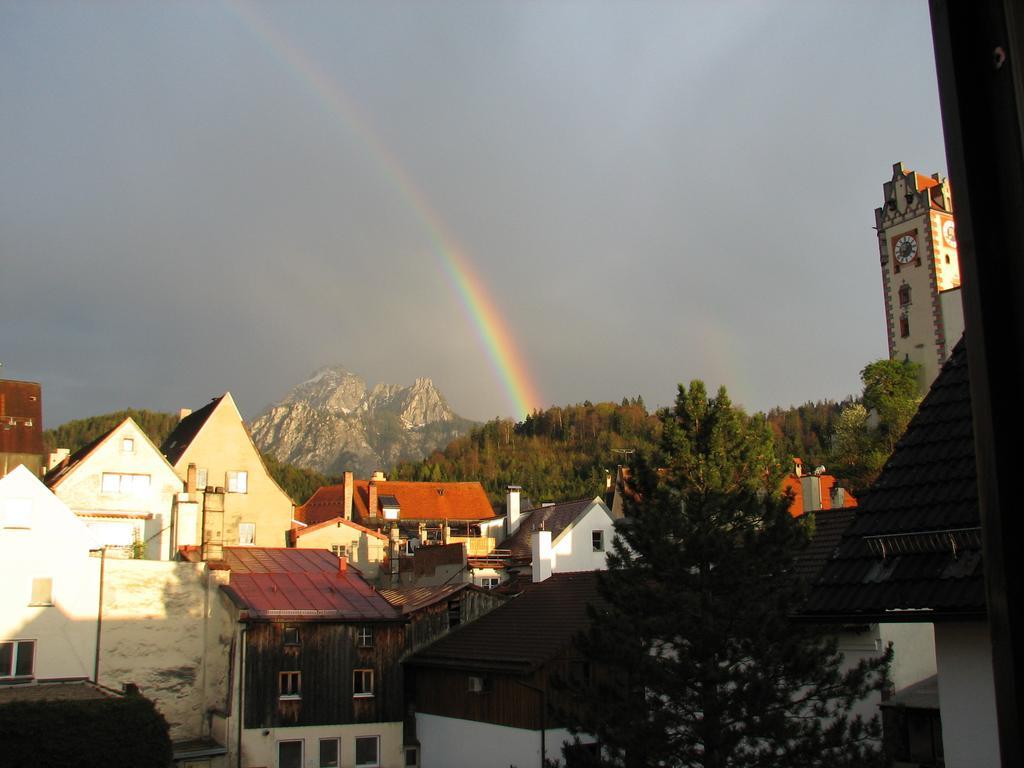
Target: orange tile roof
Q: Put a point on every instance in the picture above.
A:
(828, 482)
(418, 501)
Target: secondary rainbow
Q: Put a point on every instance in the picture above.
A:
(501, 348)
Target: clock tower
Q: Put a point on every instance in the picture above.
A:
(920, 270)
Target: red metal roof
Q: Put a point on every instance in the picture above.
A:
(304, 584)
(278, 560)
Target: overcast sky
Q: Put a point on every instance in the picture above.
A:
(651, 191)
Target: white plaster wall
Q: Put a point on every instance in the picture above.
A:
(55, 546)
(259, 749)
(166, 630)
(967, 701)
(952, 317)
(913, 652)
(82, 488)
(573, 550)
(447, 742)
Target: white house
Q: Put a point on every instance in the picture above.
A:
(50, 593)
(124, 489)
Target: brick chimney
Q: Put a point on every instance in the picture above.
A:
(512, 508)
(342, 564)
(372, 506)
(349, 483)
(190, 479)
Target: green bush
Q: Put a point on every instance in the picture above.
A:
(93, 733)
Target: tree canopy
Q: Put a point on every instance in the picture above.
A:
(701, 663)
(866, 432)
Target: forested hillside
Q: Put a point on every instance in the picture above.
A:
(80, 432)
(557, 454)
(806, 430)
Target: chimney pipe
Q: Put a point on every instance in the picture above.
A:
(512, 508)
(349, 483)
(540, 547)
(190, 479)
(342, 564)
(372, 505)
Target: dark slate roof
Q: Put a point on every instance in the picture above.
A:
(913, 550)
(183, 435)
(523, 633)
(829, 526)
(555, 518)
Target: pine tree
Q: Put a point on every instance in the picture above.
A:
(700, 662)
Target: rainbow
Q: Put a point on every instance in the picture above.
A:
(481, 310)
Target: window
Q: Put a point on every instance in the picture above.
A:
(42, 591)
(479, 684)
(127, 445)
(17, 513)
(289, 754)
(329, 753)
(362, 683)
(237, 481)
(904, 326)
(597, 540)
(246, 533)
(489, 582)
(116, 482)
(364, 636)
(367, 748)
(454, 613)
(904, 295)
(291, 635)
(17, 657)
(340, 550)
(290, 684)
(412, 757)
(201, 475)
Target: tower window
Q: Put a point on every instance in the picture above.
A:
(904, 326)
(904, 295)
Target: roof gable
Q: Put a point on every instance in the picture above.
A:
(557, 518)
(187, 430)
(417, 501)
(914, 545)
(80, 459)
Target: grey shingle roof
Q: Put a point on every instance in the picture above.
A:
(555, 518)
(913, 550)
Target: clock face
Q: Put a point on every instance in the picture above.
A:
(906, 249)
(949, 233)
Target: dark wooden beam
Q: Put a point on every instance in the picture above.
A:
(978, 58)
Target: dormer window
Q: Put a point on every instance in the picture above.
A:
(390, 507)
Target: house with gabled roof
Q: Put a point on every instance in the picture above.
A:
(365, 548)
(123, 489)
(48, 604)
(318, 679)
(239, 503)
(913, 554)
(409, 514)
(485, 696)
(559, 538)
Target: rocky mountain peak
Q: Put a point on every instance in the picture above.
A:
(332, 422)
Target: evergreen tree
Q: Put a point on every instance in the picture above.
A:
(696, 661)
